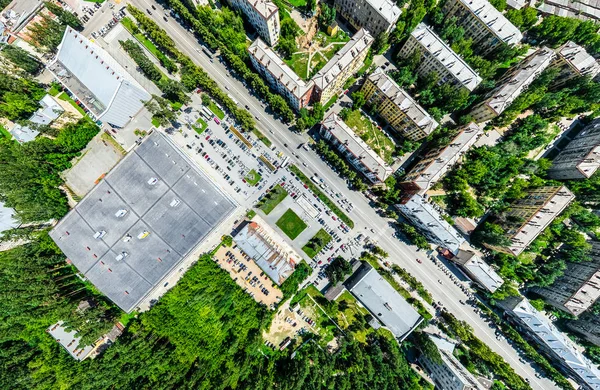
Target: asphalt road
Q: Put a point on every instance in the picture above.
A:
(364, 216)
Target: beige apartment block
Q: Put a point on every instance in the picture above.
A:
(574, 61)
(263, 15)
(376, 16)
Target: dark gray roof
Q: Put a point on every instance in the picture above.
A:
(178, 211)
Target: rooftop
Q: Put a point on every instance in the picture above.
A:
(554, 340)
(578, 58)
(584, 9)
(387, 9)
(418, 208)
(49, 111)
(359, 42)
(140, 221)
(479, 269)
(402, 99)
(437, 162)
(355, 145)
(459, 69)
(69, 341)
(19, 12)
(446, 348)
(519, 79)
(494, 20)
(279, 69)
(583, 151)
(265, 8)
(384, 303)
(266, 248)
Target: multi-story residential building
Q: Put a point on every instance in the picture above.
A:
(281, 77)
(581, 9)
(448, 374)
(438, 161)
(263, 15)
(550, 341)
(104, 88)
(424, 216)
(574, 61)
(578, 288)
(588, 325)
(438, 57)
(376, 16)
(514, 82)
(356, 151)
(397, 107)
(528, 217)
(581, 158)
(478, 270)
(331, 78)
(483, 23)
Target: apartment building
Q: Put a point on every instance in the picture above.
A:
(438, 161)
(424, 216)
(330, 80)
(528, 217)
(483, 23)
(515, 82)
(581, 158)
(376, 16)
(588, 325)
(581, 9)
(263, 15)
(448, 374)
(478, 270)
(574, 61)
(356, 151)
(551, 342)
(578, 288)
(437, 56)
(396, 107)
(279, 75)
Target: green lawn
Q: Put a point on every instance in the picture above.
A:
(374, 137)
(216, 110)
(4, 133)
(315, 244)
(324, 198)
(272, 199)
(291, 224)
(348, 311)
(67, 98)
(252, 178)
(297, 3)
(155, 122)
(200, 126)
(55, 89)
(298, 63)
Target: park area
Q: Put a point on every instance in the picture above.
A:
(252, 178)
(291, 224)
(272, 199)
(374, 137)
(315, 244)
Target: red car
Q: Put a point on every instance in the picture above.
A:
(217, 121)
(207, 137)
(305, 186)
(334, 218)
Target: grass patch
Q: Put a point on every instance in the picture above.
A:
(216, 110)
(252, 178)
(348, 313)
(63, 96)
(176, 106)
(55, 89)
(315, 244)
(200, 126)
(261, 137)
(131, 27)
(324, 39)
(291, 224)
(330, 103)
(155, 122)
(95, 1)
(324, 198)
(250, 214)
(106, 137)
(5, 133)
(297, 3)
(272, 199)
(126, 317)
(299, 63)
(374, 137)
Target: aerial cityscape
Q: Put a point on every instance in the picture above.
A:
(300, 194)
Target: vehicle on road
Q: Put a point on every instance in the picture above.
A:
(153, 7)
(149, 12)
(440, 281)
(419, 261)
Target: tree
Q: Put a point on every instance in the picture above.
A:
(66, 18)
(21, 59)
(381, 42)
(227, 240)
(500, 5)
(427, 347)
(337, 270)
(161, 110)
(358, 100)
(287, 47)
(491, 234)
(327, 15)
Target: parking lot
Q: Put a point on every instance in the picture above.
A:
(248, 275)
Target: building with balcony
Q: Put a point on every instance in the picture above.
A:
(438, 161)
(330, 80)
(396, 107)
(437, 56)
(280, 76)
(263, 15)
(375, 16)
(526, 218)
(427, 219)
(483, 23)
(579, 286)
(551, 342)
(574, 61)
(355, 150)
(581, 158)
(512, 84)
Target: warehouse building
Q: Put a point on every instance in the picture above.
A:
(135, 227)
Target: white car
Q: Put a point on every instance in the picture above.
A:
(99, 234)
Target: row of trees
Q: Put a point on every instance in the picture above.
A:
(21, 59)
(556, 30)
(142, 61)
(47, 31)
(340, 165)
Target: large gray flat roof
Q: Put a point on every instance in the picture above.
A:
(178, 211)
